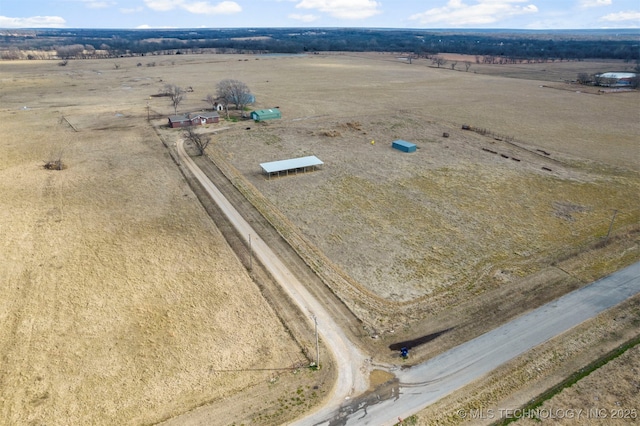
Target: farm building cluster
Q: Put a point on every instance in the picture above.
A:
(616, 79)
(212, 117)
(193, 119)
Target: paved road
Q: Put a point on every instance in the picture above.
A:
(430, 381)
(351, 363)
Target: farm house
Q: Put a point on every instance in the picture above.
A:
(193, 119)
(266, 114)
(404, 146)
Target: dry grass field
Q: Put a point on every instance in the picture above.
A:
(464, 214)
(612, 387)
(122, 301)
(607, 396)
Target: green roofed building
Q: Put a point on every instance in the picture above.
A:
(266, 114)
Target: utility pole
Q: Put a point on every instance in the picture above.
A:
(315, 320)
(615, 212)
(250, 255)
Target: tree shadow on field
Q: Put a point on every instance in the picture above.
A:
(418, 341)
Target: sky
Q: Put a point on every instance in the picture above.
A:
(424, 14)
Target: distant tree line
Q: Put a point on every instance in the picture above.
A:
(508, 45)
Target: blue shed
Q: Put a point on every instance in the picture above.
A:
(404, 145)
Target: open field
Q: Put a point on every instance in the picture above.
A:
(421, 232)
(122, 303)
(608, 395)
(122, 298)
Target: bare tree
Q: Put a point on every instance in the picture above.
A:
(13, 53)
(176, 94)
(453, 65)
(197, 140)
(71, 51)
(598, 79)
(234, 92)
(211, 100)
(438, 60)
(584, 78)
(467, 65)
(90, 49)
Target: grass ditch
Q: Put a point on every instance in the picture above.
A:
(572, 379)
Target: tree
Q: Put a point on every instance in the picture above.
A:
(235, 92)
(68, 52)
(453, 65)
(598, 79)
(438, 60)
(176, 94)
(198, 140)
(13, 53)
(212, 100)
(90, 49)
(584, 78)
(467, 65)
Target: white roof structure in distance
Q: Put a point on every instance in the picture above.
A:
(291, 164)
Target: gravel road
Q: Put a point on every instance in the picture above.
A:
(351, 364)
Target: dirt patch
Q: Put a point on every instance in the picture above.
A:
(379, 377)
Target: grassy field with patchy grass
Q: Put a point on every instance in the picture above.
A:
(124, 304)
(473, 212)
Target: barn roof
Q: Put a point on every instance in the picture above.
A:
(191, 115)
(265, 114)
(291, 164)
(404, 143)
(618, 75)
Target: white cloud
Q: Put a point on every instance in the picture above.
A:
(343, 9)
(131, 10)
(457, 13)
(630, 15)
(162, 5)
(196, 7)
(96, 4)
(303, 18)
(595, 3)
(147, 26)
(32, 22)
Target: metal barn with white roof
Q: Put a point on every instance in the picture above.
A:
(296, 165)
